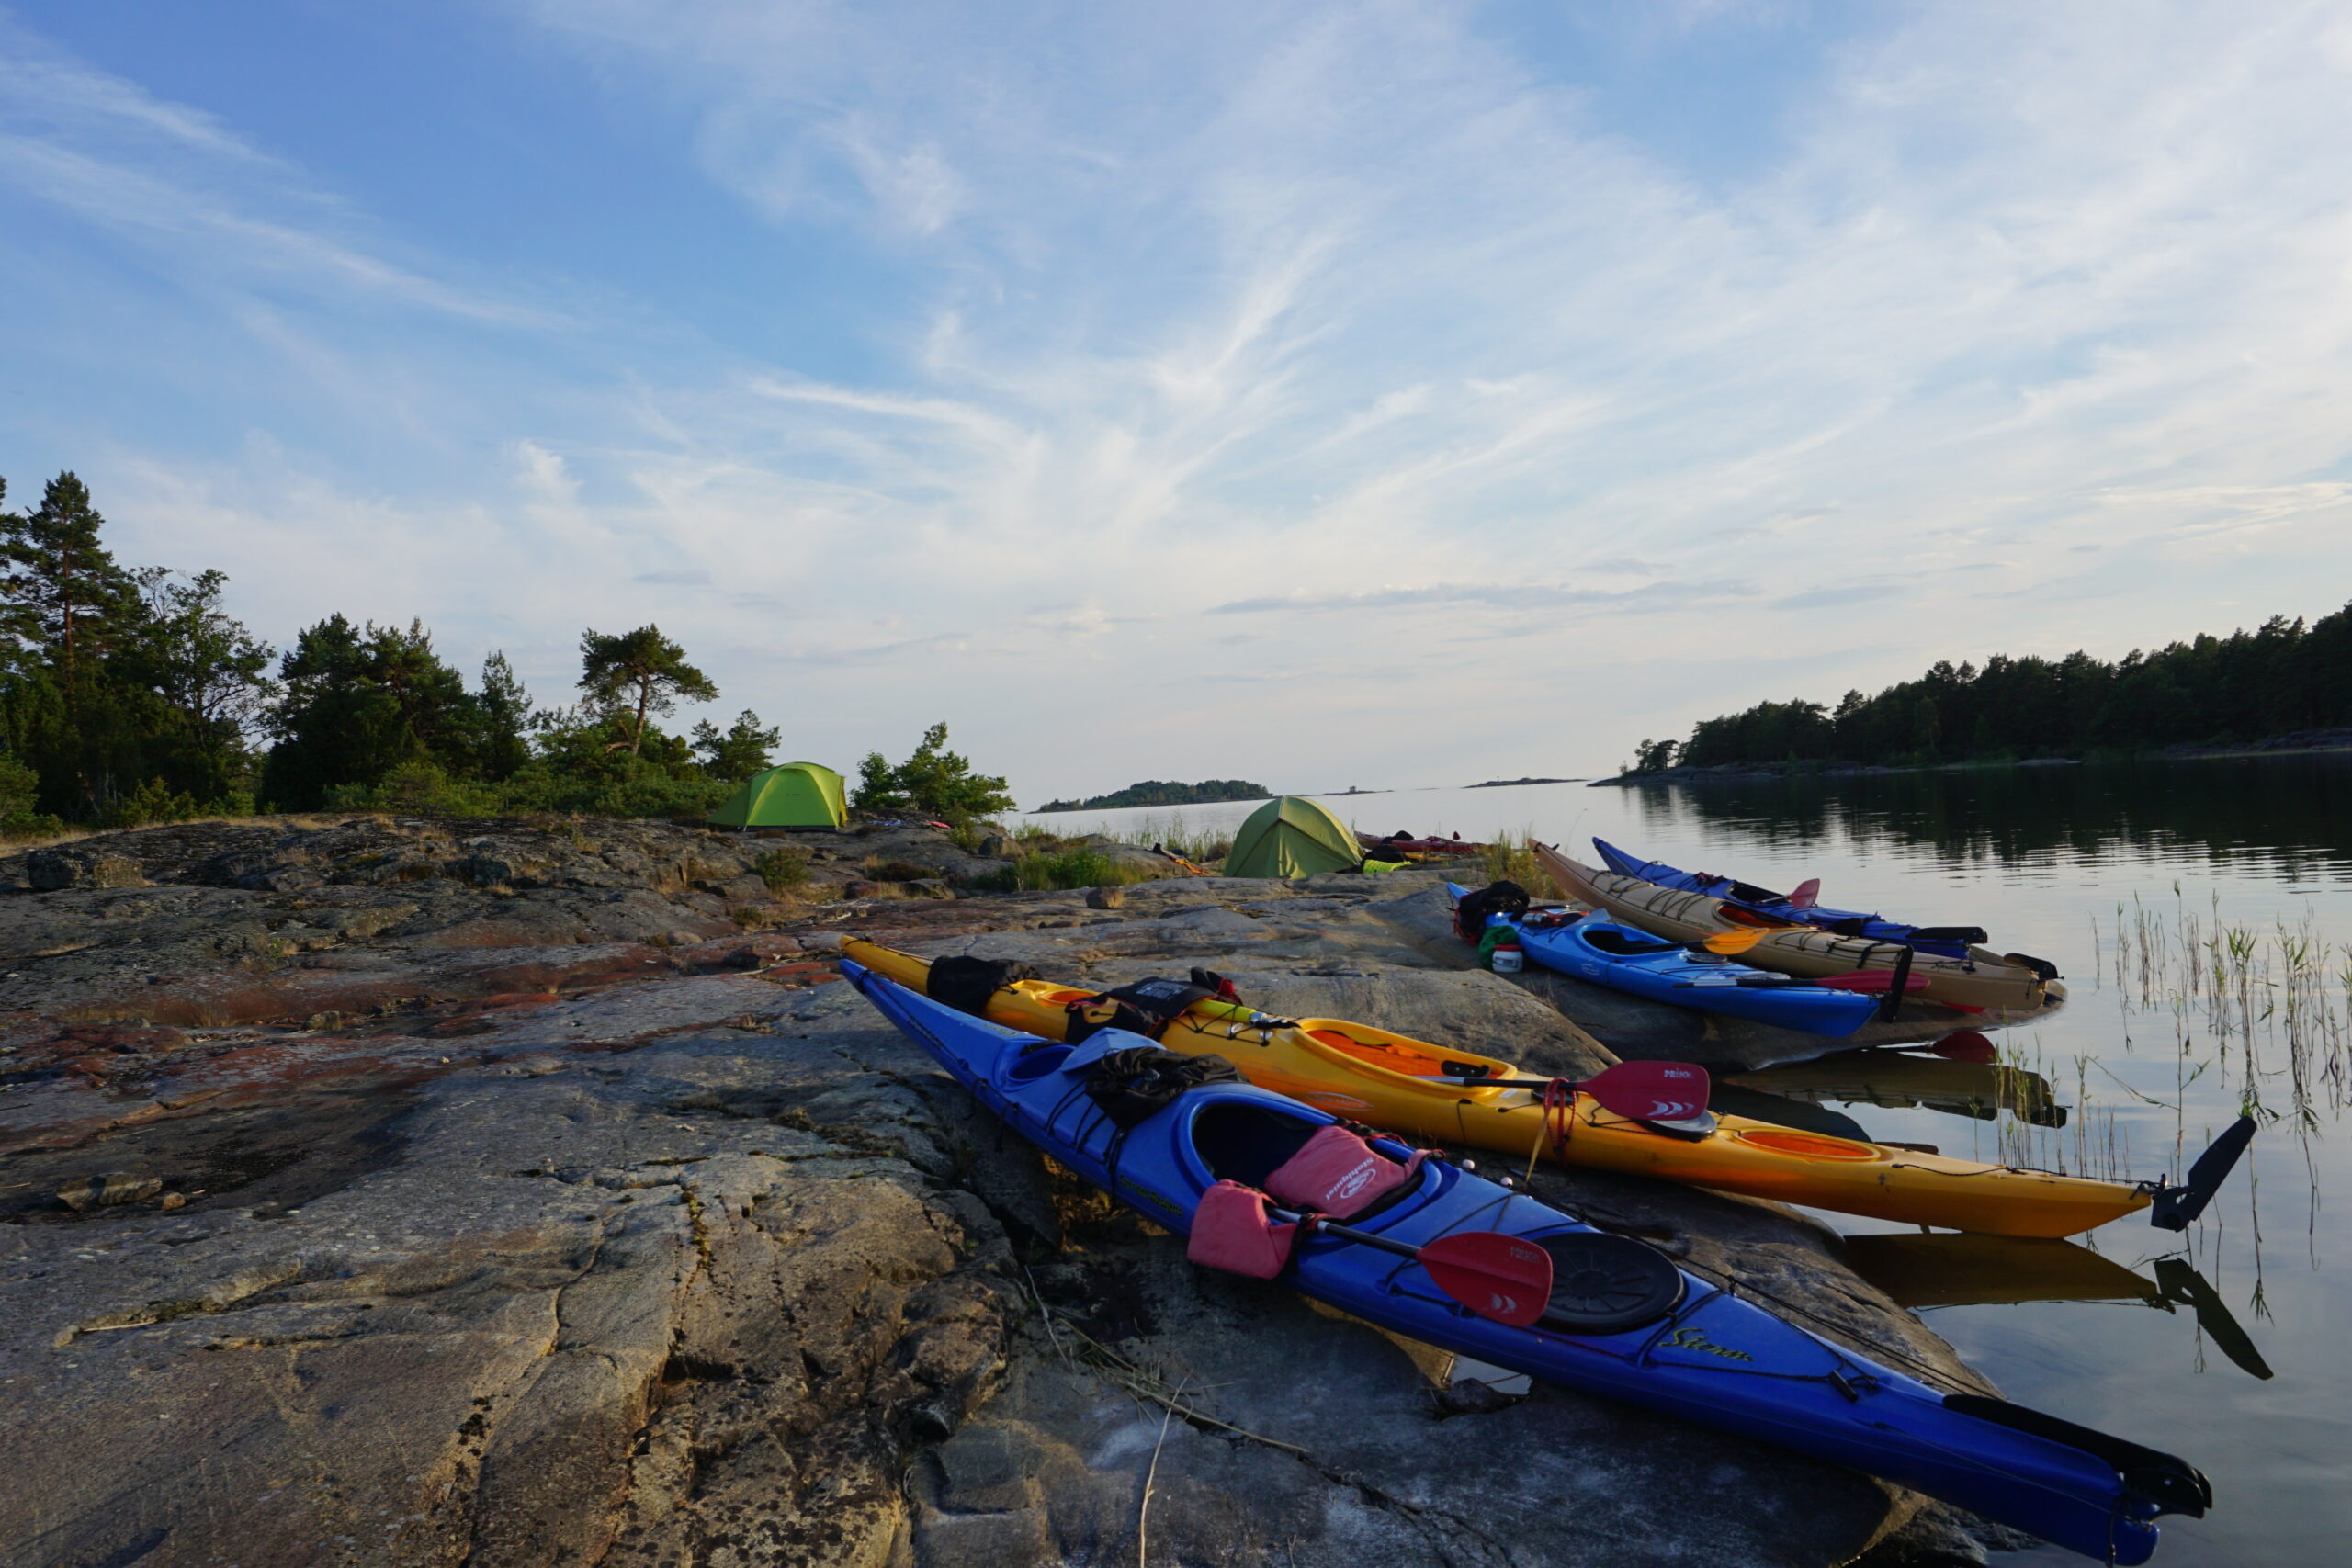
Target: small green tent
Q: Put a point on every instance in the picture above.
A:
(797, 795)
(1292, 836)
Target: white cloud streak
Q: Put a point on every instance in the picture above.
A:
(1366, 330)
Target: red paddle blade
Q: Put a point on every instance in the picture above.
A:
(1807, 892)
(1651, 1091)
(1494, 1275)
(1965, 1046)
(1872, 981)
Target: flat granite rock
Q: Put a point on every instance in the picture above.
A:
(637, 1253)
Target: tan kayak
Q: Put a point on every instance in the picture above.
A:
(1984, 981)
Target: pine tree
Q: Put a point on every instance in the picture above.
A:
(71, 609)
(74, 603)
(934, 780)
(634, 675)
(737, 754)
(506, 715)
(359, 704)
(210, 675)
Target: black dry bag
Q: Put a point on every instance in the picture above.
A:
(1131, 1082)
(967, 984)
(1495, 898)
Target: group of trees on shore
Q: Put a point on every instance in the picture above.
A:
(1165, 792)
(2282, 678)
(128, 694)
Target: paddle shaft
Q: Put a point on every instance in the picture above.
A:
(1362, 1238)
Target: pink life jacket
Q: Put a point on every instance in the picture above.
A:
(1230, 1230)
(1336, 1173)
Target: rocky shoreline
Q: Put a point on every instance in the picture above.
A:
(388, 1190)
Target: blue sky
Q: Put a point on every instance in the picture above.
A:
(1391, 394)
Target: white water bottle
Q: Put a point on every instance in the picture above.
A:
(1509, 958)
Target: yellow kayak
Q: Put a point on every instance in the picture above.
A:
(1392, 1081)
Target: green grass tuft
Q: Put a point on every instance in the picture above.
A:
(1509, 860)
(784, 867)
(1059, 869)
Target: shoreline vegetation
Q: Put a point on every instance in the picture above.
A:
(2310, 743)
(2283, 686)
(129, 696)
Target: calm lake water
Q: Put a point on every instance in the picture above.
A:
(2201, 912)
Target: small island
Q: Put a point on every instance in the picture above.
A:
(1515, 784)
(1159, 792)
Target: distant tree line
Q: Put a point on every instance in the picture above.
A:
(2282, 678)
(128, 694)
(1165, 792)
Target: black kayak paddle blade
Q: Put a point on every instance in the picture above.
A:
(2177, 1208)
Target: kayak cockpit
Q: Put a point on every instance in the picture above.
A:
(1247, 1142)
(1367, 1049)
(1303, 1161)
(1621, 942)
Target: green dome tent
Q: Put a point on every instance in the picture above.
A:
(1292, 836)
(797, 795)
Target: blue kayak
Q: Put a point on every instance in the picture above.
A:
(1948, 941)
(1696, 1352)
(1599, 949)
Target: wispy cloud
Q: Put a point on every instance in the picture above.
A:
(1159, 348)
(197, 197)
(1651, 598)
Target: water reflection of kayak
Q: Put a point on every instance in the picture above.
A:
(1971, 1269)
(1925, 1271)
(1901, 1079)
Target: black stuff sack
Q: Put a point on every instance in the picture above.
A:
(1495, 898)
(1131, 1082)
(967, 984)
